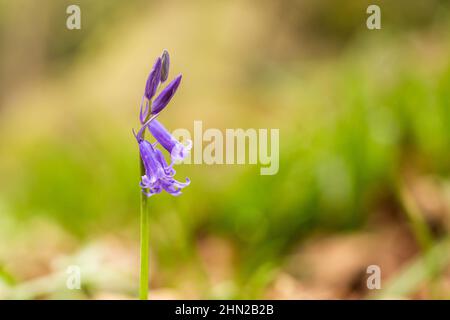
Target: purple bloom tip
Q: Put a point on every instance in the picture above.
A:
(166, 95)
(153, 80)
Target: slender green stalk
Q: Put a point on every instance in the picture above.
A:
(145, 225)
(144, 252)
(421, 232)
(143, 282)
(413, 275)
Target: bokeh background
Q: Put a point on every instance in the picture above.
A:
(364, 121)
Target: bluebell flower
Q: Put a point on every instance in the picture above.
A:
(177, 150)
(158, 175)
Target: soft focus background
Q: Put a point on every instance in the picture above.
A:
(364, 119)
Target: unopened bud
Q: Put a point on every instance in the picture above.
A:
(165, 60)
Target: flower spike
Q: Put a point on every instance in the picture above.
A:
(157, 175)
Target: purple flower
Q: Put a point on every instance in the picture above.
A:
(159, 175)
(153, 80)
(164, 97)
(151, 86)
(177, 150)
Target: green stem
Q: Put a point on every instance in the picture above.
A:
(421, 232)
(419, 226)
(143, 283)
(145, 225)
(144, 252)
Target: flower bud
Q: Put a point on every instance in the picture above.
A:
(164, 97)
(165, 61)
(153, 80)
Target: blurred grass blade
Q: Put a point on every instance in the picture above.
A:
(417, 272)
